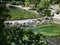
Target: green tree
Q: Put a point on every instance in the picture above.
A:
(27, 2)
(44, 4)
(35, 3)
(48, 14)
(20, 36)
(4, 14)
(53, 1)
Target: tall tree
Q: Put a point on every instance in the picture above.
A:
(34, 2)
(20, 36)
(44, 4)
(3, 16)
(48, 14)
(27, 2)
(53, 1)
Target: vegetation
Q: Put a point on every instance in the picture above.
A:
(27, 3)
(47, 29)
(15, 3)
(20, 36)
(21, 14)
(4, 13)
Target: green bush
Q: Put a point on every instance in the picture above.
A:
(15, 3)
(20, 36)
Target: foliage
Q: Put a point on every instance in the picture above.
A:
(53, 1)
(35, 2)
(43, 3)
(20, 36)
(15, 3)
(27, 3)
(17, 36)
(47, 13)
(4, 14)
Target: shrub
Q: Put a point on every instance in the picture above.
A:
(20, 36)
(15, 3)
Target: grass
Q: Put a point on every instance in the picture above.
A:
(21, 14)
(48, 29)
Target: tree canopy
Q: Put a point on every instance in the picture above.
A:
(4, 14)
